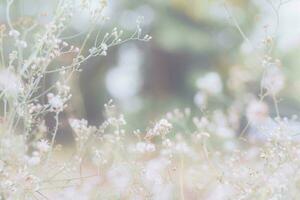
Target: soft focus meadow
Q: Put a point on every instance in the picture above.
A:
(149, 99)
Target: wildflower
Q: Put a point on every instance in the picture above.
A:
(10, 83)
(147, 38)
(77, 124)
(34, 160)
(150, 147)
(257, 112)
(274, 79)
(43, 145)
(55, 102)
(93, 50)
(76, 50)
(162, 128)
(104, 46)
(200, 100)
(167, 143)
(14, 33)
(210, 83)
(144, 147)
(98, 157)
(103, 53)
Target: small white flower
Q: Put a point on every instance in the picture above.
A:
(104, 47)
(78, 124)
(103, 53)
(34, 160)
(210, 83)
(200, 100)
(257, 112)
(55, 102)
(93, 50)
(14, 33)
(150, 148)
(274, 79)
(10, 83)
(163, 127)
(167, 143)
(144, 147)
(43, 145)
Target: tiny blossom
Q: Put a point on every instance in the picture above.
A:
(202, 123)
(257, 112)
(150, 147)
(210, 83)
(77, 124)
(93, 50)
(98, 157)
(104, 46)
(167, 143)
(10, 83)
(200, 100)
(147, 37)
(162, 128)
(34, 160)
(55, 102)
(43, 145)
(103, 53)
(14, 33)
(274, 79)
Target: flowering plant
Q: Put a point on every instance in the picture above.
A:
(180, 156)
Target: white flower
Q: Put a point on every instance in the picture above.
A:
(55, 102)
(34, 160)
(163, 127)
(210, 83)
(10, 83)
(98, 158)
(78, 124)
(200, 100)
(104, 47)
(274, 79)
(14, 33)
(150, 147)
(93, 50)
(257, 112)
(43, 145)
(143, 147)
